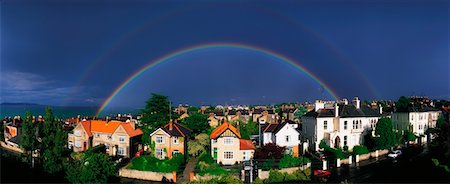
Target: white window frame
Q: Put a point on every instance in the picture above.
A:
(78, 143)
(175, 140)
(77, 133)
(97, 135)
(121, 138)
(70, 144)
(159, 152)
(119, 152)
(228, 153)
(228, 141)
(287, 138)
(159, 140)
(175, 152)
(325, 125)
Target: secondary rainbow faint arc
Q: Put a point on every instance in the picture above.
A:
(206, 46)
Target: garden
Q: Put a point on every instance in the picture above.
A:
(207, 165)
(151, 163)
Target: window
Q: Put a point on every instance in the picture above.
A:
(107, 146)
(215, 153)
(174, 152)
(325, 125)
(159, 140)
(70, 145)
(345, 140)
(354, 124)
(77, 132)
(214, 140)
(159, 153)
(345, 125)
(175, 140)
(287, 138)
(109, 137)
(97, 135)
(246, 156)
(78, 143)
(228, 141)
(121, 151)
(228, 155)
(121, 139)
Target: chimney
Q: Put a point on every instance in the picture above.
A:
(357, 102)
(170, 125)
(336, 110)
(318, 105)
(238, 126)
(381, 109)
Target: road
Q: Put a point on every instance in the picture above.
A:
(408, 168)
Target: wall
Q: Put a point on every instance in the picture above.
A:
(147, 175)
(265, 174)
(287, 130)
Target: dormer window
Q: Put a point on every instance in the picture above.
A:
(175, 140)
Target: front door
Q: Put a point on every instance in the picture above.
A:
(84, 145)
(337, 142)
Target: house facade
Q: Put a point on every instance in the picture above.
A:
(119, 138)
(285, 134)
(342, 125)
(416, 120)
(170, 139)
(227, 147)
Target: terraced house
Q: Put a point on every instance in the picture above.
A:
(227, 147)
(170, 139)
(120, 138)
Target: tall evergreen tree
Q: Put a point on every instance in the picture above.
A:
(28, 140)
(54, 141)
(386, 135)
(156, 113)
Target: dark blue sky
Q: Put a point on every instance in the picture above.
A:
(78, 52)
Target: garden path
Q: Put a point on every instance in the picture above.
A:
(190, 166)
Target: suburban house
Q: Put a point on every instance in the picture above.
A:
(264, 116)
(416, 120)
(212, 120)
(285, 134)
(12, 131)
(227, 147)
(170, 139)
(238, 115)
(220, 115)
(339, 126)
(120, 138)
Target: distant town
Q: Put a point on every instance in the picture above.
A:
(321, 141)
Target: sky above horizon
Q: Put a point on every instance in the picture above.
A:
(80, 52)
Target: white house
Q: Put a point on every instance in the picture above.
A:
(285, 134)
(416, 120)
(341, 125)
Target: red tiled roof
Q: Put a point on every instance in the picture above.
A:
(87, 127)
(246, 144)
(222, 128)
(109, 127)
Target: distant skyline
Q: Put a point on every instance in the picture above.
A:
(79, 52)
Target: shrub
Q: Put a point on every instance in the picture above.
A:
(207, 165)
(289, 161)
(268, 164)
(232, 180)
(258, 181)
(360, 150)
(150, 163)
(275, 177)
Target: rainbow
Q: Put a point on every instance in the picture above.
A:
(207, 46)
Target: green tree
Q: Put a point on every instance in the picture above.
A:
(403, 104)
(90, 168)
(199, 145)
(409, 136)
(28, 140)
(197, 122)
(2, 130)
(192, 109)
(300, 112)
(53, 145)
(156, 113)
(386, 135)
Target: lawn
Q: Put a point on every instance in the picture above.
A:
(150, 163)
